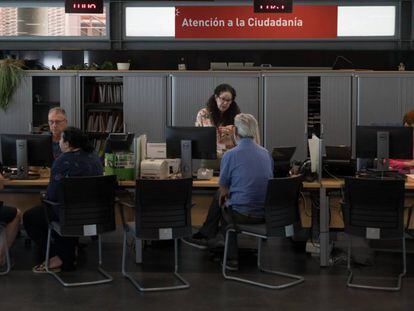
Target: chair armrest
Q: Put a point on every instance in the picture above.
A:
(51, 203)
(48, 205)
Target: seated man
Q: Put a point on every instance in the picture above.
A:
(244, 174)
(57, 123)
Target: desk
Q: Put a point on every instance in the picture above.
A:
(327, 185)
(25, 194)
(43, 182)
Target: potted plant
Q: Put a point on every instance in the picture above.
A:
(11, 74)
(123, 66)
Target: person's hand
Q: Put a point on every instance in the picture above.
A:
(226, 136)
(222, 199)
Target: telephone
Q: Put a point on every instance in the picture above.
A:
(304, 169)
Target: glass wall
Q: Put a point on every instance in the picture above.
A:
(33, 20)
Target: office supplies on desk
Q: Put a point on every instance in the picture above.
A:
(154, 169)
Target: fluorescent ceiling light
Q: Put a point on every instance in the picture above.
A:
(150, 22)
(366, 21)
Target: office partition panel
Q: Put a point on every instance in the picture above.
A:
(285, 112)
(336, 110)
(145, 103)
(18, 116)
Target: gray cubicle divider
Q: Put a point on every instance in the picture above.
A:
(145, 104)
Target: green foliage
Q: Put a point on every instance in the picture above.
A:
(11, 74)
(107, 65)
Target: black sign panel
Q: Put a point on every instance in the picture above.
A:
(273, 6)
(84, 6)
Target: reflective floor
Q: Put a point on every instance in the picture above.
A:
(323, 289)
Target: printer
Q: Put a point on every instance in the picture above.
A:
(154, 169)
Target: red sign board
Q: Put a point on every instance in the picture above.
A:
(240, 22)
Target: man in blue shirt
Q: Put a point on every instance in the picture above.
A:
(244, 174)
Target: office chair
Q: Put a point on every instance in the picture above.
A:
(374, 209)
(3, 243)
(162, 212)
(86, 209)
(281, 213)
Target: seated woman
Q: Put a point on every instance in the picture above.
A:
(10, 218)
(220, 112)
(404, 166)
(77, 159)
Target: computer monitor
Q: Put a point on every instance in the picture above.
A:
(190, 143)
(117, 142)
(338, 161)
(383, 143)
(281, 158)
(22, 150)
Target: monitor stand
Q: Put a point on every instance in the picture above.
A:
(21, 159)
(383, 148)
(186, 159)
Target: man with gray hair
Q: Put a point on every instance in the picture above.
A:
(57, 124)
(244, 174)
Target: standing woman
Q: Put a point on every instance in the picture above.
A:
(77, 159)
(220, 112)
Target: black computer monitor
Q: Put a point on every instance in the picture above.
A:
(190, 143)
(117, 142)
(281, 158)
(384, 142)
(22, 150)
(338, 161)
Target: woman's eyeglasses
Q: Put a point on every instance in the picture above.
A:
(224, 99)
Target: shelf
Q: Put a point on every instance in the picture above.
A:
(117, 106)
(97, 134)
(46, 103)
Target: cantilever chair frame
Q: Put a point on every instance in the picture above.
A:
(244, 229)
(130, 277)
(130, 228)
(6, 249)
(399, 230)
(53, 225)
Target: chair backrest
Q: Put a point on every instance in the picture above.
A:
(88, 205)
(163, 208)
(374, 208)
(281, 205)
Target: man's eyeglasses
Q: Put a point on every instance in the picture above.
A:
(57, 122)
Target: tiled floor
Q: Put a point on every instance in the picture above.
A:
(323, 289)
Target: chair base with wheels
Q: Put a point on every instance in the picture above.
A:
(3, 242)
(107, 278)
(185, 284)
(297, 279)
(350, 282)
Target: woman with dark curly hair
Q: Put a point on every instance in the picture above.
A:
(220, 112)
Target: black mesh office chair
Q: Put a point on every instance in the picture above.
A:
(3, 243)
(281, 214)
(374, 209)
(162, 212)
(86, 208)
